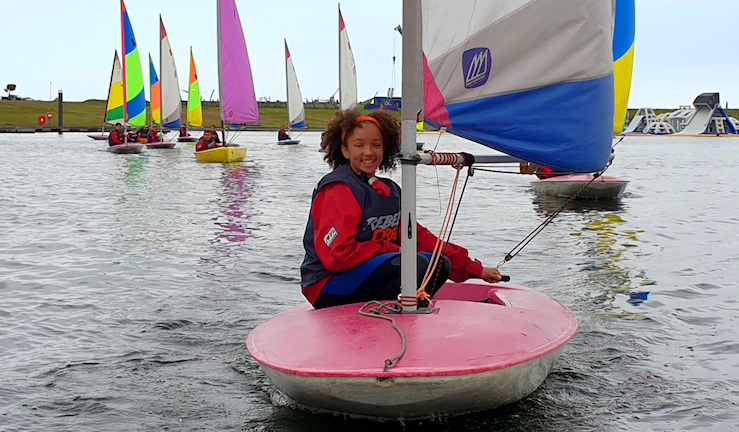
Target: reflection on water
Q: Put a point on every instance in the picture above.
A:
(236, 192)
(548, 204)
(610, 245)
(133, 168)
(606, 252)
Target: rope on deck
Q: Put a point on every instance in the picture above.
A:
(379, 312)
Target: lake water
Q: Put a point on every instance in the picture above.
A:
(129, 283)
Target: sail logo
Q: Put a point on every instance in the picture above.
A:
(476, 64)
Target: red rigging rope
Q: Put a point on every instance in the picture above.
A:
(440, 242)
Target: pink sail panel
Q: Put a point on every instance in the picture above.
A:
(238, 99)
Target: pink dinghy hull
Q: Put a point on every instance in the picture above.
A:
(483, 346)
(565, 186)
(98, 137)
(161, 145)
(128, 148)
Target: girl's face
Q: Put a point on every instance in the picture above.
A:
(364, 148)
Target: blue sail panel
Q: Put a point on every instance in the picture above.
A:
(576, 136)
(625, 28)
(174, 123)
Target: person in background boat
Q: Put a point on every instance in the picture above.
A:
(207, 142)
(352, 239)
(117, 136)
(214, 133)
(542, 172)
(142, 135)
(133, 136)
(183, 132)
(282, 135)
(154, 135)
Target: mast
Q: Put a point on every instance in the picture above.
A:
(412, 93)
(189, 85)
(287, 85)
(220, 71)
(339, 38)
(161, 73)
(123, 66)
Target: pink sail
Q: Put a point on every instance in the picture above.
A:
(238, 99)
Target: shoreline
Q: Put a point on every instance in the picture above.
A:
(108, 128)
(19, 116)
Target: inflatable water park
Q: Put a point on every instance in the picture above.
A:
(705, 118)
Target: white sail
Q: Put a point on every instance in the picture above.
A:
(169, 84)
(295, 108)
(347, 69)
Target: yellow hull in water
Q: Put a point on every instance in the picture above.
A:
(222, 155)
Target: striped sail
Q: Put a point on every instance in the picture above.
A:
(194, 106)
(154, 85)
(170, 84)
(236, 86)
(114, 108)
(545, 96)
(623, 59)
(295, 108)
(347, 69)
(133, 78)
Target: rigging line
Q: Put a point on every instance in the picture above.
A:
(500, 172)
(435, 263)
(470, 173)
(301, 133)
(440, 245)
(526, 240)
(436, 167)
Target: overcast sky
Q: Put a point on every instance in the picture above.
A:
(683, 47)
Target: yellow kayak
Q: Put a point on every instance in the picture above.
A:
(222, 154)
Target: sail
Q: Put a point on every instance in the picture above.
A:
(154, 84)
(133, 78)
(347, 69)
(295, 108)
(623, 59)
(114, 108)
(170, 84)
(238, 99)
(194, 107)
(545, 96)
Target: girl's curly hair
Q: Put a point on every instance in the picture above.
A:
(346, 122)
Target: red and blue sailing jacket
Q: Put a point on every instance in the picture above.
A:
(352, 221)
(115, 137)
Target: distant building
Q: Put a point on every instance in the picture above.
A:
(383, 103)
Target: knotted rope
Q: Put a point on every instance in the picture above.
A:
(379, 312)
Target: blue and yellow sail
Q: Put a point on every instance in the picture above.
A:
(623, 59)
(133, 78)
